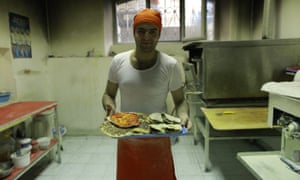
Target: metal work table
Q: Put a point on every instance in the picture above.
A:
(233, 123)
(267, 165)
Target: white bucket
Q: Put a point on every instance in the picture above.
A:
(21, 161)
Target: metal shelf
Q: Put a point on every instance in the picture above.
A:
(16, 113)
(35, 157)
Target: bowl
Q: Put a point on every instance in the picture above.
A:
(44, 142)
(25, 142)
(6, 168)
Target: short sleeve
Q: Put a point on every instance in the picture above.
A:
(176, 80)
(112, 74)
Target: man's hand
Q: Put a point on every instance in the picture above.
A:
(110, 109)
(185, 121)
(188, 124)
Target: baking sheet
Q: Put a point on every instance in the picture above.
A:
(113, 131)
(183, 132)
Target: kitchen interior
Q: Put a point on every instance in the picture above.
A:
(72, 43)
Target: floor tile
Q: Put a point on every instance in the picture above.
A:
(94, 157)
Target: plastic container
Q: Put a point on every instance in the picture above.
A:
(26, 142)
(21, 160)
(35, 146)
(63, 130)
(44, 142)
(42, 124)
(4, 97)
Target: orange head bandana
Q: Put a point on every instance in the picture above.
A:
(147, 16)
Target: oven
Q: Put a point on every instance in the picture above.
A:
(231, 74)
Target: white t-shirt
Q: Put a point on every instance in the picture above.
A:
(145, 90)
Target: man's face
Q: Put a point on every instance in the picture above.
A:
(146, 36)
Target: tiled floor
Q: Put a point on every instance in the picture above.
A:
(94, 158)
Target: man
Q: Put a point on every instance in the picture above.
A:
(144, 77)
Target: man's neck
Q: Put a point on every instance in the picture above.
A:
(145, 56)
(143, 60)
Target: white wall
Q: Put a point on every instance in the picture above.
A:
(32, 85)
(288, 23)
(77, 27)
(236, 22)
(77, 86)
(7, 79)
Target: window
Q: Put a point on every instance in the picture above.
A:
(171, 18)
(125, 12)
(195, 26)
(170, 15)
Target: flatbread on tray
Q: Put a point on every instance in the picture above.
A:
(147, 126)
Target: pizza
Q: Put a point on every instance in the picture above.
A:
(124, 119)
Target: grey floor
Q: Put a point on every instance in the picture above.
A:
(94, 158)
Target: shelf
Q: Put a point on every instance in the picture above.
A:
(18, 112)
(34, 158)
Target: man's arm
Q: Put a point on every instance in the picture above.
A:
(181, 107)
(109, 98)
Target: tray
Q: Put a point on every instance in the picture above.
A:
(181, 133)
(110, 129)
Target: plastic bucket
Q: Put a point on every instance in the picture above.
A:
(22, 160)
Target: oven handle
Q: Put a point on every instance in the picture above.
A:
(193, 92)
(199, 101)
